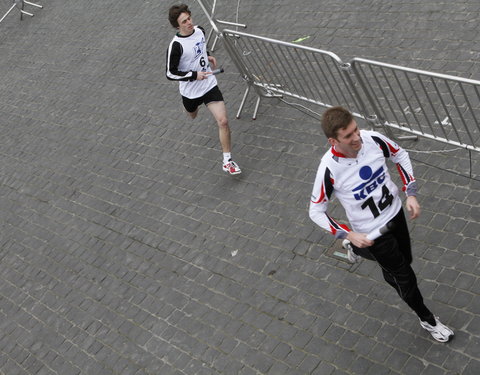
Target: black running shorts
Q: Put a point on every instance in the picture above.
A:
(214, 95)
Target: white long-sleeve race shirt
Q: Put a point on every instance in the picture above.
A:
(362, 185)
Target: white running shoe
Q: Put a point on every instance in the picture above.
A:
(351, 256)
(439, 332)
(232, 167)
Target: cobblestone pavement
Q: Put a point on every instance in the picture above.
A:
(124, 249)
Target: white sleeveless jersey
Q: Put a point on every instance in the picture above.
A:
(362, 185)
(186, 56)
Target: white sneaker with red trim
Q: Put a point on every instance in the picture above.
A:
(231, 167)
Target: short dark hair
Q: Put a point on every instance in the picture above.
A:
(334, 119)
(175, 12)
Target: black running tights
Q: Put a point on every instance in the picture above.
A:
(393, 253)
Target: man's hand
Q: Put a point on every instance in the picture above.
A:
(202, 75)
(413, 207)
(359, 239)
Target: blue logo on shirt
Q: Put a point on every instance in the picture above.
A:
(198, 49)
(372, 181)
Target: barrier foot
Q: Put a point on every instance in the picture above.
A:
(242, 103)
(257, 104)
(214, 43)
(26, 13)
(33, 4)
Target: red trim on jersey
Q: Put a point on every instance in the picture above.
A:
(345, 227)
(322, 195)
(336, 153)
(406, 178)
(333, 230)
(393, 150)
(335, 226)
(402, 176)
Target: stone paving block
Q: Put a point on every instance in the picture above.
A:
(461, 299)
(247, 371)
(118, 220)
(323, 368)
(344, 358)
(371, 327)
(432, 369)
(379, 369)
(413, 365)
(397, 359)
(362, 366)
(472, 367)
(377, 351)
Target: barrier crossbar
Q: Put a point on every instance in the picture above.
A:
(432, 105)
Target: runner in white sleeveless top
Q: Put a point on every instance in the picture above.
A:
(189, 63)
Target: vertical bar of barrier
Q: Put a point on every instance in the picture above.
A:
(432, 106)
(445, 107)
(443, 101)
(292, 73)
(398, 100)
(413, 107)
(310, 73)
(384, 94)
(362, 109)
(462, 119)
(267, 73)
(475, 120)
(327, 79)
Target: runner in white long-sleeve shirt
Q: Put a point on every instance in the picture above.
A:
(355, 171)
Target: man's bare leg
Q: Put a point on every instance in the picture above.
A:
(219, 112)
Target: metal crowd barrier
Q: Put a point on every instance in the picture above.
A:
(276, 69)
(435, 106)
(20, 5)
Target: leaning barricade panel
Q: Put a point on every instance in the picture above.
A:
(277, 69)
